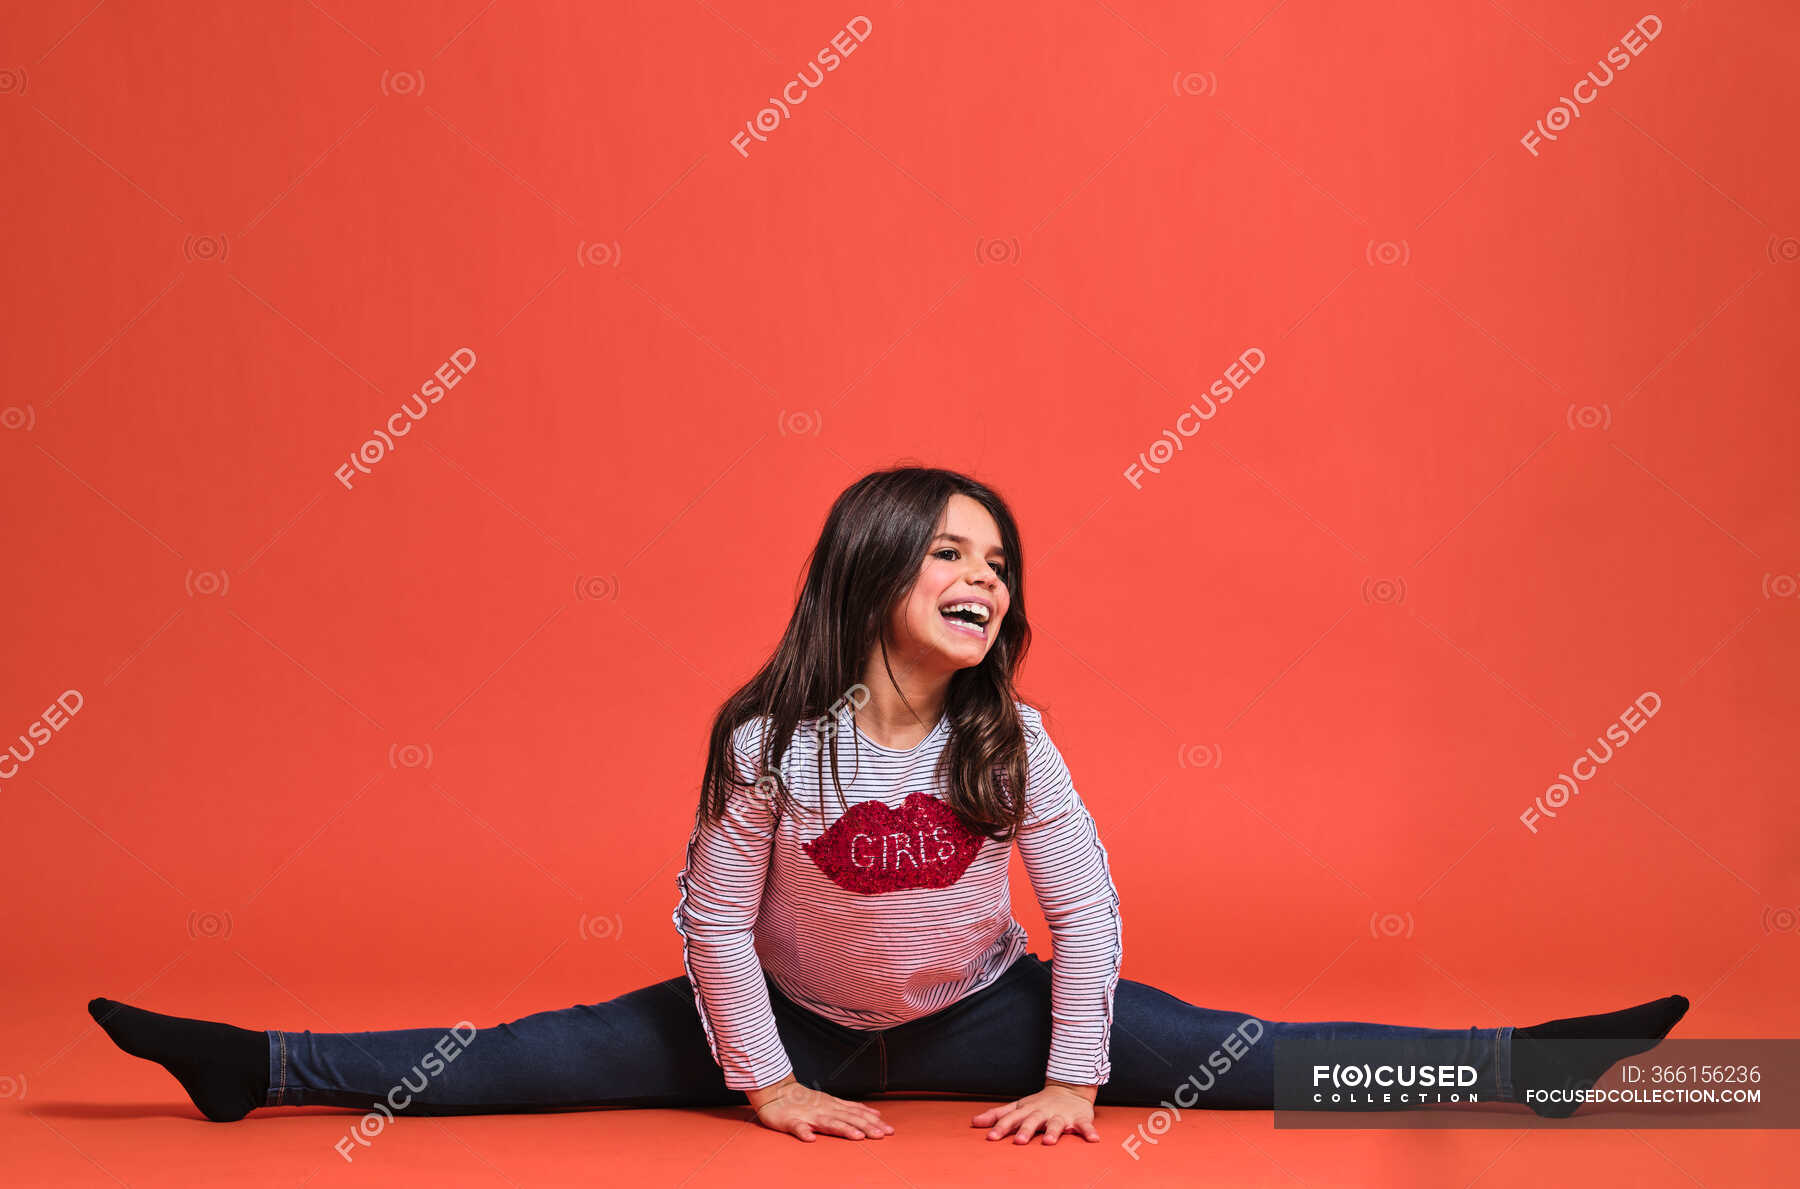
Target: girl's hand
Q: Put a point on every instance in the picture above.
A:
(1056, 1108)
(803, 1112)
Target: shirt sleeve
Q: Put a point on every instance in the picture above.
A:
(721, 894)
(1067, 865)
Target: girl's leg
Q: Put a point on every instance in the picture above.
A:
(644, 1048)
(996, 1044)
(1166, 1050)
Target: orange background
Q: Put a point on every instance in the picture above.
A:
(426, 747)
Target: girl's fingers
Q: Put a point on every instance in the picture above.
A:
(837, 1116)
(1052, 1129)
(1089, 1132)
(866, 1118)
(862, 1112)
(988, 1117)
(1028, 1128)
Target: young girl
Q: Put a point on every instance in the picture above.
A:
(844, 908)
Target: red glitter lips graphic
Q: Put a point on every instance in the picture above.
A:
(872, 848)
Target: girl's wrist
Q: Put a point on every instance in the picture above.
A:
(761, 1097)
(1087, 1092)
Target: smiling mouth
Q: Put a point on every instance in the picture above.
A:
(967, 622)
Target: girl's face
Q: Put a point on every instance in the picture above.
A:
(964, 565)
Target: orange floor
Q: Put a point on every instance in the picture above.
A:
(78, 1112)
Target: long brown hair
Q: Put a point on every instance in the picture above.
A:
(864, 564)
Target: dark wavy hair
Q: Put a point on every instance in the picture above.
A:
(864, 564)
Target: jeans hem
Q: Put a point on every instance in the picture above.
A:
(278, 1063)
(1503, 1053)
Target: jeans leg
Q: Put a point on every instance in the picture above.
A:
(996, 1043)
(645, 1048)
(1167, 1050)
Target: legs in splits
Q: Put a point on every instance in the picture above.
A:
(647, 1048)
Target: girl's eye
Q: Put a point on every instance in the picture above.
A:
(999, 567)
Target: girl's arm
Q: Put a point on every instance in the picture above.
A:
(1067, 865)
(721, 894)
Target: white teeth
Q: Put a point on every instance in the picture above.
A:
(977, 608)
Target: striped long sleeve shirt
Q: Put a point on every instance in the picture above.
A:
(890, 909)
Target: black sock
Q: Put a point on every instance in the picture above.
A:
(225, 1070)
(1540, 1064)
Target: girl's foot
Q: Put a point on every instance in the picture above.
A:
(225, 1070)
(1539, 1063)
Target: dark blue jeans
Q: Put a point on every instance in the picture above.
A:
(647, 1049)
